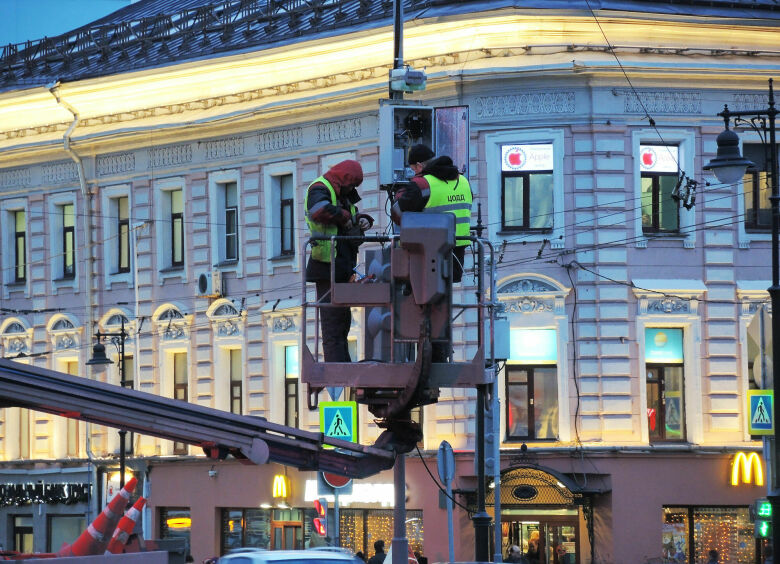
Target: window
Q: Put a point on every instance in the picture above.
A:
(20, 245)
(659, 173)
(291, 379)
(176, 523)
(527, 187)
(689, 533)
(757, 188)
(287, 214)
(180, 390)
(664, 381)
(68, 241)
(236, 381)
(532, 385)
(63, 529)
(359, 528)
(177, 226)
(121, 211)
(246, 527)
(128, 374)
(23, 533)
(72, 437)
(230, 207)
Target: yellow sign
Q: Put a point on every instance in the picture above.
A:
(747, 463)
(179, 523)
(281, 486)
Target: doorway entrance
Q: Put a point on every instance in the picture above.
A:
(543, 538)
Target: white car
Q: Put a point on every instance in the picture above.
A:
(312, 556)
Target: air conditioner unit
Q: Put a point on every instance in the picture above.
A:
(210, 284)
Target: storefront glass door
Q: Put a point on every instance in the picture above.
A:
(542, 539)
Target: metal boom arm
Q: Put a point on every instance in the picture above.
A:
(218, 432)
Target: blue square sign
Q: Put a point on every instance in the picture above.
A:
(761, 412)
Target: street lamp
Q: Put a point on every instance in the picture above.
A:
(729, 167)
(100, 359)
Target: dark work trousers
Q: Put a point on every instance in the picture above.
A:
(334, 326)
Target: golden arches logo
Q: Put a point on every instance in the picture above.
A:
(281, 486)
(746, 463)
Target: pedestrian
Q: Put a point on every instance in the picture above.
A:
(379, 554)
(437, 187)
(534, 554)
(360, 555)
(516, 555)
(330, 210)
(713, 554)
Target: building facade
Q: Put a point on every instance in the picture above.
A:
(156, 180)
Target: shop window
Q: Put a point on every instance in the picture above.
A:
(236, 382)
(527, 187)
(659, 168)
(757, 189)
(359, 528)
(245, 528)
(63, 529)
(665, 384)
(532, 385)
(291, 383)
(689, 533)
(287, 529)
(23, 533)
(176, 523)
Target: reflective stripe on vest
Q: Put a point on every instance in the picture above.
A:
(320, 250)
(451, 196)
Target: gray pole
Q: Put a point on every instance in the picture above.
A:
(336, 531)
(400, 544)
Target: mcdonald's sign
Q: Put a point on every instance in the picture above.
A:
(749, 465)
(281, 486)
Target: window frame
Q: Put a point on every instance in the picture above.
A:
(556, 235)
(286, 231)
(291, 390)
(236, 383)
(177, 225)
(180, 447)
(20, 262)
(122, 234)
(756, 172)
(111, 270)
(530, 399)
(685, 141)
(271, 174)
(660, 368)
(654, 229)
(218, 181)
(68, 242)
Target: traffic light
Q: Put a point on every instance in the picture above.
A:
(321, 520)
(762, 511)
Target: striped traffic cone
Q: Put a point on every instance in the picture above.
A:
(125, 527)
(95, 538)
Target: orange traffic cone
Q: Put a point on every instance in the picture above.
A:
(125, 527)
(96, 537)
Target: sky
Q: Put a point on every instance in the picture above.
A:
(22, 20)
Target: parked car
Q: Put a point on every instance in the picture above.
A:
(311, 556)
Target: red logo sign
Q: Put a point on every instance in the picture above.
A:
(648, 158)
(515, 158)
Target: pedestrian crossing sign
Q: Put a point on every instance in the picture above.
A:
(338, 419)
(761, 412)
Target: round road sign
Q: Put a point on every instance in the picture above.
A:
(334, 480)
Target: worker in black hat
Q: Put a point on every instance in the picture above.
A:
(436, 186)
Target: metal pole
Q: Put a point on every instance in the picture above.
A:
(774, 294)
(122, 432)
(336, 533)
(398, 42)
(400, 544)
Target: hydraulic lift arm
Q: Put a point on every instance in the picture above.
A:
(218, 432)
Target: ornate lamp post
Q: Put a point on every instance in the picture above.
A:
(100, 359)
(729, 167)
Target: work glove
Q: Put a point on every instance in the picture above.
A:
(364, 221)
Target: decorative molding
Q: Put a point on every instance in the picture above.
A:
(532, 103)
(279, 139)
(224, 148)
(170, 155)
(669, 305)
(172, 325)
(529, 305)
(283, 323)
(57, 173)
(330, 131)
(662, 101)
(16, 339)
(526, 286)
(747, 102)
(64, 335)
(115, 164)
(227, 321)
(14, 177)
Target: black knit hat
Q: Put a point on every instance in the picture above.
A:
(420, 153)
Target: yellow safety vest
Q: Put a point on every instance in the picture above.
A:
(320, 250)
(452, 196)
